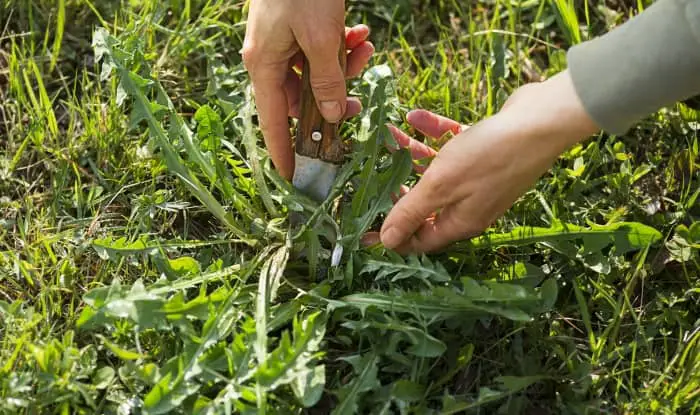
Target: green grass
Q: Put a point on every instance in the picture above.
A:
(147, 263)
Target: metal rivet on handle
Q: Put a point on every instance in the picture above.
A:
(316, 136)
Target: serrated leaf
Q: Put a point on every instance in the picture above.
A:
(407, 391)
(103, 377)
(100, 43)
(694, 233)
(412, 267)
(377, 74)
(217, 327)
(626, 236)
(365, 379)
(164, 397)
(597, 262)
(210, 129)
(119, 352)
(442, 302)
(293, 358)
(183, 266)
(390, 183)
(378, 92)
(177, 384)
(308, 386)
(427, 346)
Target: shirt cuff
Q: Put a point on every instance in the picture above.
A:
(649, 62)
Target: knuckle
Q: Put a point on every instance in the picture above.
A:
(435, 183)
(249, 54)
(397, 217)
(410, 217)
(325, 84)
(322, 41)
(314, 39)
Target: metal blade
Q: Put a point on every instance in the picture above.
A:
(314, 177)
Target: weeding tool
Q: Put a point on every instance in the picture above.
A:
(319, 148)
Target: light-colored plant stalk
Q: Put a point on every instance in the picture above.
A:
(269, 281)
(251, 147)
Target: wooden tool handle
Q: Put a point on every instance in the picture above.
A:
(311, 123)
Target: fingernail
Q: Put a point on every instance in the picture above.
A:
(331, 110)
(391, 143)
(369, 239)
(391, 238)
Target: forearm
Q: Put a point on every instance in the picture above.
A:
(649, 62)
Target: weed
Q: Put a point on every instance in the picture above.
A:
(148, 263)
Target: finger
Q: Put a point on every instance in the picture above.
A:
(432, 125)
(292, 85)
(355, 36)
(358, 59)
(419, 151)
(402, 192)
(360, 50)
(271, 102)
(292, 88)
(412, 210)
(327, 78)
(370, 239)
(354, 107)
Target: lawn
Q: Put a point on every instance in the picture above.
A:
(148, 263)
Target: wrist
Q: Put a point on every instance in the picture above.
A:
(551, 113)
(568, 117)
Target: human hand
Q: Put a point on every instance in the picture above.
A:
(477, 175)
(278, 35)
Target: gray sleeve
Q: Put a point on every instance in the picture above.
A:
(649, 62)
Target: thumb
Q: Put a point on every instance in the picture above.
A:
(327, 77)
(412, 211)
